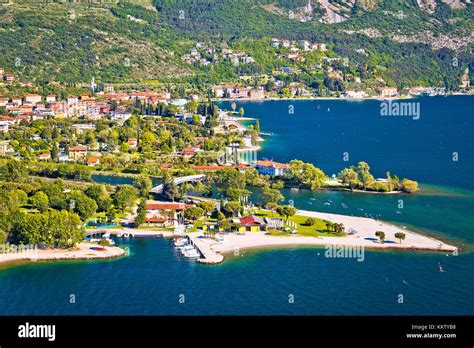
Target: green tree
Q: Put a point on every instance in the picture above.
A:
(207, 207)
(193, 213)
(54, 151)
(241, 112)
(365, 177)
(40, 201)
(124, 197)
(141, 213)
(100, 195)
(231, 208)
(409, 186)
(170, 191)
(14, 170)
(381, 236)
(349, 177)
(111, 213)
(286, 211)
(272, 206)
(270, 195)
(306, 175)
(400, 236)
(84, 206)
(104, 242)
(143, 184)
(216, 214)
(338, 228)
(224, 225)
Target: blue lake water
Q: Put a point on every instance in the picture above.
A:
(151, 280)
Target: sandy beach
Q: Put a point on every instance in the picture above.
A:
(83, 251)
(364, 237)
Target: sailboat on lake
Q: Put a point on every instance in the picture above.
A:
(440, 267)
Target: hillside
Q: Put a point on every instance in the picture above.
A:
(407, 42)
(73, 42)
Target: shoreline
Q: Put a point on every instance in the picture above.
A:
(364, 237)
(379, 98)
(82, 251)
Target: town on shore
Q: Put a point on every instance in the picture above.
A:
(192, 168)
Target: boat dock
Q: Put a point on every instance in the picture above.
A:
(208, 255)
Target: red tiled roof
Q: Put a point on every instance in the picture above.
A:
(248, 220)
(78, 148)
(167, 206)
(272, 163)
(216, 167)
(155, 219)
(92, 160)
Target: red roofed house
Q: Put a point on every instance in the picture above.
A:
(156, 221)
(166, 166)
(9, 77)
(253, 223)
(78, 152)
(92, 161)
(32, 98)
(5, 122)
(156, 206)
(189, 152)
(51, 98)
(44, 156)
(156, 215)
(132, 143)
(272, 168)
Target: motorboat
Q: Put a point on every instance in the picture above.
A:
(191, 254)
(180, 242)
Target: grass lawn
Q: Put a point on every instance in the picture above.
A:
(318, 229)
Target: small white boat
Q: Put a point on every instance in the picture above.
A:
(440, 267)
(119, 235)
(180, 242)
(327, 203)
(191, 254)
(95, 240)
(106, 235)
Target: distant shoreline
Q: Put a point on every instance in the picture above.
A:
(333, 98)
